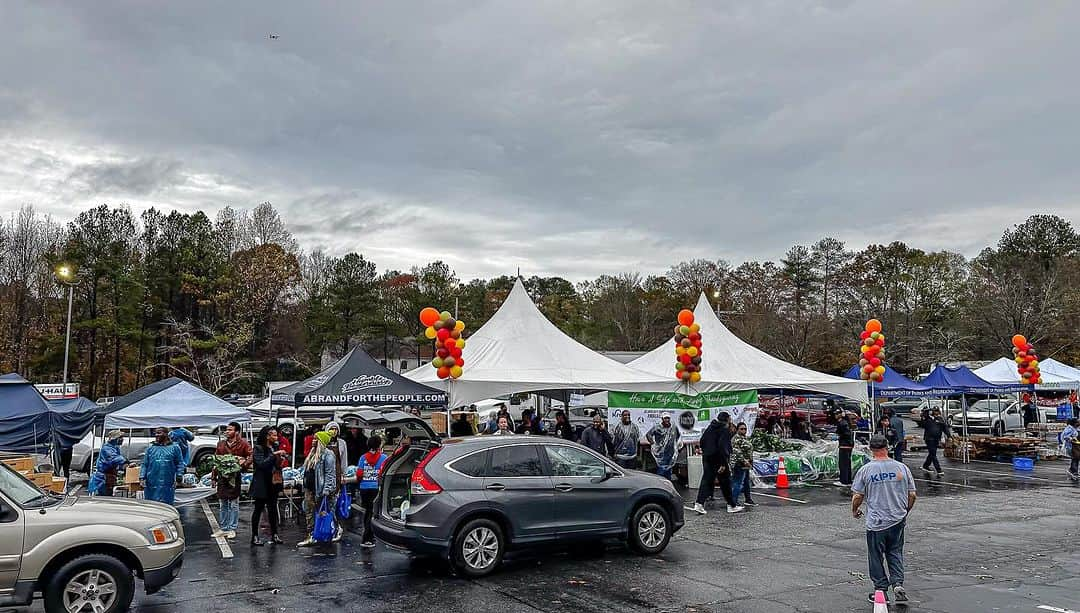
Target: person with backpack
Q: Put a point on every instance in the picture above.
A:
(367, 470)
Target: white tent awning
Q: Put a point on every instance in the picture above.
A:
(1003, 371)
(172, 403)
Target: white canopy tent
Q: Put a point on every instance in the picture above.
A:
(1003, 371)
(171, 403)
(518, 350)
(729, 363)
(1062, 371)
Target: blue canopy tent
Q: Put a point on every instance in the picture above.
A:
(24, 416)
(72, 418)
(894, 385)
(961, 380)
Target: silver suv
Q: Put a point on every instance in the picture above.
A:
(82, 554)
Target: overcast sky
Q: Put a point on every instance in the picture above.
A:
(571, 138)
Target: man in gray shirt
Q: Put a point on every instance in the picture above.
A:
(888, 489)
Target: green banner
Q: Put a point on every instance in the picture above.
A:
(670, 400)
(691, 414)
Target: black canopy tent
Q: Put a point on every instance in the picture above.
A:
(356, 380)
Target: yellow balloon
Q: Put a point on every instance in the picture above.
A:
(695, 328)
(695, 377)
(880, 370)
(680, 350)
(455, 372)
(430, 332)
(460, 343)
(459, 326)
(863, 348)
(692, 352)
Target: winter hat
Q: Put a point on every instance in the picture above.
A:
(332, 426)
(324, 437)
(114, 435)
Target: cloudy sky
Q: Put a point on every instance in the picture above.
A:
(570, 138)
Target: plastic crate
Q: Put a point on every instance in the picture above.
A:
(1023, 464)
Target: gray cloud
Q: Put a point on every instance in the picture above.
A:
(559, 137)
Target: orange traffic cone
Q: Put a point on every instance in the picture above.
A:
(880, 605)
(781, 475)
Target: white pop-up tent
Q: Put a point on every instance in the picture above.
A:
(729, 363)
(1002, 371)
(518, 350)
(170, 403)
(1068, 374)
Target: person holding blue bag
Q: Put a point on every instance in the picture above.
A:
(320, 483)
(367, 472)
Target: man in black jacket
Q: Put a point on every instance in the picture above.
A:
(715, 459)
(934, 427)
(845, 434)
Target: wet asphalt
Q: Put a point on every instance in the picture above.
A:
(982, 538)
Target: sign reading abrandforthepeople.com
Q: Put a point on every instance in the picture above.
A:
(692, 414)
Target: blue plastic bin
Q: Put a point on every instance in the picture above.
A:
(1023, 464)
(1064, 412)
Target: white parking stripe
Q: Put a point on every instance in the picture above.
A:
(987, 472)
(1055, 609)
(954, 484)
(780, 498)
(223, 545)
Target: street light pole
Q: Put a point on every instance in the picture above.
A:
(67, 336)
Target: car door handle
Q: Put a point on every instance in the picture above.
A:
(498, 487)
(564, 487)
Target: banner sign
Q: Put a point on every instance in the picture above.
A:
(691, 414)
(58, 391)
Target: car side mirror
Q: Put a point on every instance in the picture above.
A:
(608, 473)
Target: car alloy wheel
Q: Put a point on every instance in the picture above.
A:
(91, 590)
(651, 529)
(480, 548)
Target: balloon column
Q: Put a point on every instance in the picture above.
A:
(872, 363)
(687, 348)
(1027, 363)
(446, 332)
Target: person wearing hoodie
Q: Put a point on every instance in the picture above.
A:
(934, 428)
(340, 450)
(367, 470)
(742, 462)
(562, 428)
(597, 437)
(845, 435)
(715, 464)
(183, 437)
(626, 438)
(320, 481)
(110, 460)
(897, 424)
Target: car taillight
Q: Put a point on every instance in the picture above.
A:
(421, 482)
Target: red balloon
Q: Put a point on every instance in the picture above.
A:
(868, 369)
(694, 336)
(460, 361)
(685, 359)
(454, 351)
(443, 372)
(880, 342)
(686, 317)
(442, 353)
(443, 334)
(875, 362)
(864, 335)
(697, 343)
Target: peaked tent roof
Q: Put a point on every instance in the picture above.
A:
(171, 402)
(1002, 371)
(357, 380)
(1067, 373)
(894, 384)
(729, 363)
(960, 379)
(72, 418)
(519, 350)
(25, 420)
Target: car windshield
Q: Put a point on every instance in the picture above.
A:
(989, 405)
(17, 488)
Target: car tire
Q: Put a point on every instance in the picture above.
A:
(650, 529)
(999, 429)
(99, 576)
(197, 460)
(478, 548)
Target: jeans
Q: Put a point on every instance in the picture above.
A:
(1074, 465)
(367, 501)
(931, 456)
(888, 546)
(898, 452)
(709, 476)
(739, 479)
(745, 487)
(845, 466)
(229, 514)
(664, 472)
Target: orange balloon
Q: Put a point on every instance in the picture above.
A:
(686, 317)
(428, 316)
(1019, 341)
(873, 325)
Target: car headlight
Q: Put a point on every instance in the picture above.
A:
(162, 534)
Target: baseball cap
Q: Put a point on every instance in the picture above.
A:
(878, 442)
(665, 416)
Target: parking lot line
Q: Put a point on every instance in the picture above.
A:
(780, 498)
(1056, 609)
(223, 545)
(988, 472)
(956, 484)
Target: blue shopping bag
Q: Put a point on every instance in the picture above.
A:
(344, 505)
(324, 523)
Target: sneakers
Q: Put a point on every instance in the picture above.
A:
(697, 508)
(838, 484)
(367, 544)
(926, 470)
(221, 533)
(735, 509)
(308, 542)
(870, 598)
(941, 473)
(749, 503)
(899, 593)
(337, 535)
(231, 534)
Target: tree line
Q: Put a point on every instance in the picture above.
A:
(233, 301)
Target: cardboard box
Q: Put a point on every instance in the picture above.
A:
(438, 420)
(58, 485)
(42, 480)
(131, 478)
(25, 464)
